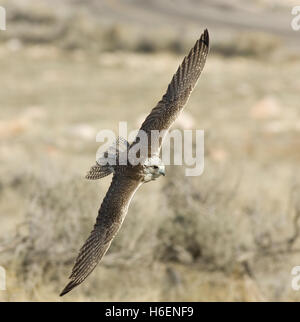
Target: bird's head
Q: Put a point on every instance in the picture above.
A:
(153, 168)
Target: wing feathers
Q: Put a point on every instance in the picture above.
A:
(98, 171)
(179, 90)
(189, 71)
(110, 217)
(115, 204)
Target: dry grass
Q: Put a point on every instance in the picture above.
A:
(230, 234)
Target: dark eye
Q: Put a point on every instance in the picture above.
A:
(155, 167)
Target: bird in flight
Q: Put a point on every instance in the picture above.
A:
(129, 177)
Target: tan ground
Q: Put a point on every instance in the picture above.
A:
(226, 235)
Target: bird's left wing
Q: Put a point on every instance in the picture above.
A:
(183, 82)
(109, 220)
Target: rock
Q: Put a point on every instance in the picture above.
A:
(13, 127)
(218, 154)
(266, 108)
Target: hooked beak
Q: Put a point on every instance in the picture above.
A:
(162, 172)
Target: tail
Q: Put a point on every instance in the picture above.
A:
(98, 171)
(103, 167)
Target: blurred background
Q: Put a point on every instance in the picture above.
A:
(71, 68)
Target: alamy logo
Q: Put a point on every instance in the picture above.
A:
(2, 279)
(296, 21)
(2, 19)
(296, 280)
(188, 148)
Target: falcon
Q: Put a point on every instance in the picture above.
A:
(129, 177)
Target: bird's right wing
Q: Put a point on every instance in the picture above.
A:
(109, 220)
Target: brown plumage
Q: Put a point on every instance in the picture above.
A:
(179, 90)
(109, 220)
(97, 172)
(127, 178)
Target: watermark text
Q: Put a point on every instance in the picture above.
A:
(2, 279)
(2, 18)
(295, 24)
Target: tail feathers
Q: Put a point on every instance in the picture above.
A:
(102, 167)
(98, 171)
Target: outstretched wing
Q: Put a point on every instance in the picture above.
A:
(178, 92)
(109, 220)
